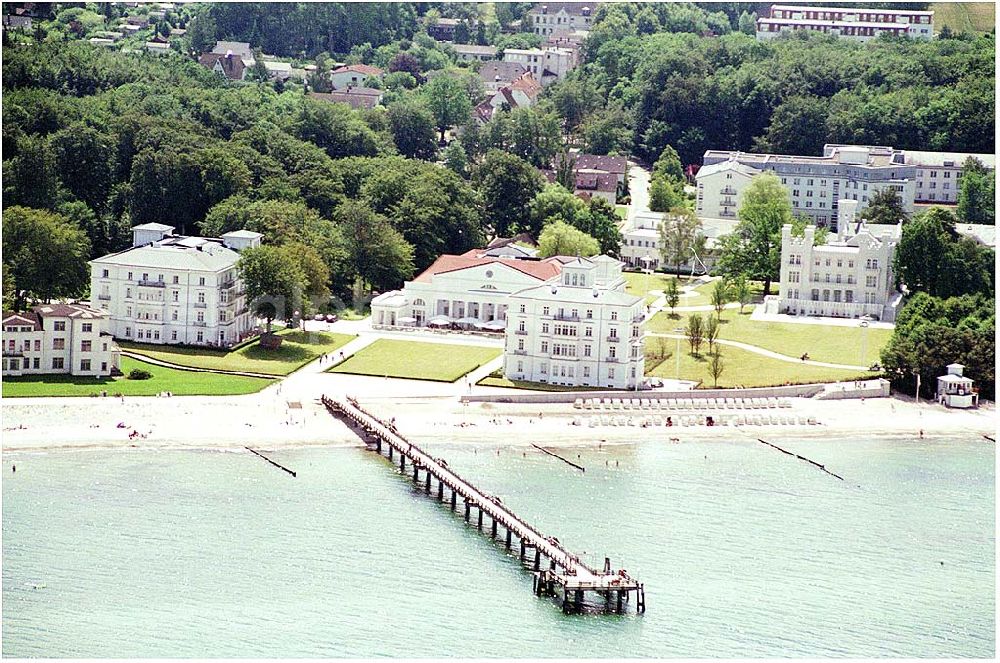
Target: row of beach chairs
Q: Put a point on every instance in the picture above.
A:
(752, 419)
(681, 403)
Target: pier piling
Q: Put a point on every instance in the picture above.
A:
(565, 571)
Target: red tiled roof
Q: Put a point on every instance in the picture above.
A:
(232, 65)
(606, 163)
(539, 269)
(365, 69)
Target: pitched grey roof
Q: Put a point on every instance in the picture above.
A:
(577, 295)
(206, 256)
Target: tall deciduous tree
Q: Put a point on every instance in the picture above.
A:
(695, 332)
(448, 101)
(44, 253)
(275, 282)
(716, 365)
(976, 195)
(720, 297)
(561, 239)
(412, 127)
(885, 206)
(673, 295)
(678, 233)
(754, 247)
(508, 184)
(380, 257)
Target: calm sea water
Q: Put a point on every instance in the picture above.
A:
(744, 552)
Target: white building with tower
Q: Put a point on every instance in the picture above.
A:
(579, 329)
(956, 390)
(171, 288)
(850, 276)
(58, 338)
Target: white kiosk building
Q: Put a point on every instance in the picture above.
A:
(956, 390)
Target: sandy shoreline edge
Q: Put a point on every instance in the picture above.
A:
(267, 421)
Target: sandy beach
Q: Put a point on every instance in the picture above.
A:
(273, 419)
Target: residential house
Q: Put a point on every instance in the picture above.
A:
(171, 288)
(443, 29)
(355, 97)
(353, 75)
(642, 247)
(596, 175)
(471, 289)
(240, 49)
(474, 52)
(13, 22)
(578, 329)
(521, 93)
(851, 276)
(229, 65)
(939, 174)
(496, 74)
(548, 18)
(58, 338)
(157, 47)
(548, 65)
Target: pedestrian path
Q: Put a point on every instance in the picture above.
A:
(193, 369)
(768, 353)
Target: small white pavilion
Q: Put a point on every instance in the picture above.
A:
(956, 390)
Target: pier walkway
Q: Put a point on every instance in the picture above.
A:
(565, 574)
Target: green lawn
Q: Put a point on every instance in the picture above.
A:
(741, 367)
(621, 211)
(298, 348)
(640, 284)
(442, 362)
(830, 343)
(964, 16)
(180, 383)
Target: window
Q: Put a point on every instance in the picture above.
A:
(36, 363)
(58, 344)
(545, 328)
(201, 316)
(614, 315)
(849, 296)
(130, 276)
(128, 292)
(545, 310)
(58, 363)
(201, 280)
(176, 279)
(173, 336)
(38, 346)
(201, 337)
(520, 344)
(522, 308)
(59, 325)
(85, 346)
(176, 294)
(84, 364)
(128, 332)
(145, 276)
(201, 297)
(871, 281)
(104, 273)
(590, 313)
(611, 373)
(589, 332)
(87, 327)
(545, 346)
(520, 326)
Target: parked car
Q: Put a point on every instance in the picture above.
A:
(319, 317)
(331, 317)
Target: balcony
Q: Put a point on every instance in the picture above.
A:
(200, 305)
(728, 202)
(226, 285)
(728, 191)
(519, 352)
(200, 324)
(727, 213)
(611, 360)
(152, 284)
(613, 339)
(521, 332)
(104, 298)
(566, 317)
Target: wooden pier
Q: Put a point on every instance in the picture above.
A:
(556, 571)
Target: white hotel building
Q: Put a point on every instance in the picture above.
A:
(857, 23)
(58, 338)
(547, 65)
(848, 277)
(580, 329)
(815, 184)
(175, 289)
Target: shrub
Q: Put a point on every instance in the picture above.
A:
(139, 374)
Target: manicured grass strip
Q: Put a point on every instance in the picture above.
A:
(621, 211)
(830, 343)
(442, 362)
(180, 383)
(749, 369)
(297, 348)
(534, 386)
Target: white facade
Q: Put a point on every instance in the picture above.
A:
(848, 277)
(474, 52)
(547, 64)
(354, 75)
(642, 247)
(815, 184)
(578, 329)
(472, 289)
(939, 173)
(174, 289)
(856, 23)
(545, 19)
(58, 338)
(956, 390)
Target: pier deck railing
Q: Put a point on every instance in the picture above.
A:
(576, 575)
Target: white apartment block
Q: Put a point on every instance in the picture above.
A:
(547, 65)
(58, 338)
(642, 246)
(556, 17)
(815, 184)
(939, 174)
(469, 290)
(171, 288)
(858, 23)
(579, 329)
(848, 277)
